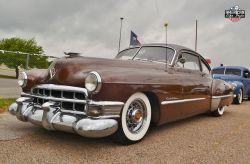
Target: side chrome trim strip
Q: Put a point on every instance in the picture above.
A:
(180, 101)
(223, 96)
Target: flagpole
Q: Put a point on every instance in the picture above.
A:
(196, 26)
(120, 35)
(166, 26)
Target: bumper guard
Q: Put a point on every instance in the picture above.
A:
(50, 116)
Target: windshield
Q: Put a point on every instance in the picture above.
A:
(127, 54)
(151, 54)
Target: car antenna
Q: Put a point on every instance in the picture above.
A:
(166, 26)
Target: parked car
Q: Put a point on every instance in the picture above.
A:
(97, 97)
(239, 76)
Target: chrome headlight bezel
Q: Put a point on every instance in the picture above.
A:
(93, 82)
(22, 79)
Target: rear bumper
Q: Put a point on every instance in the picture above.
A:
(50, 116)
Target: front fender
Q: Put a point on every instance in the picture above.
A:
(239, 86)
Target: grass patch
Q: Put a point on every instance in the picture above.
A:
(7, 77)
(5, 103)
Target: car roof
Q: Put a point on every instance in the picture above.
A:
(232, 67)
(175, 46)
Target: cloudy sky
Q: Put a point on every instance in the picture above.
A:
(92, 26)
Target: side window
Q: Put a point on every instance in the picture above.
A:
(188, 61)
(233, 71)
(205, 69)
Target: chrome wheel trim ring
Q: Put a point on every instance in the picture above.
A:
(135, 107)
(146, 121)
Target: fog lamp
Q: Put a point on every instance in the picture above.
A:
(94, 111)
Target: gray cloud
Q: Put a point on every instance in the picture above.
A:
(92, 26)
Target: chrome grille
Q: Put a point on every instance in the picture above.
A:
(70, 98)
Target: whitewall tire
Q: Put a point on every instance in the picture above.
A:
(135, 119)
(219, 112)
(238, 99)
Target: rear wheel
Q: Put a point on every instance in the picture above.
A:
(135, 119)
(238, 98)
(218, 112)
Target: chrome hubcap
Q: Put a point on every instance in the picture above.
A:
(136, 116)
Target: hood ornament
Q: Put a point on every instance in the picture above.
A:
(72, 54)
(52, 72)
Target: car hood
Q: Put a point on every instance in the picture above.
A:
(73, 71)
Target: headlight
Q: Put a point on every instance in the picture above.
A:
(93, 82)
(22, 79)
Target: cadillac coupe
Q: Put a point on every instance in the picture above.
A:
(143, 85)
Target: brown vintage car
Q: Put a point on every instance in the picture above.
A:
(96, 97)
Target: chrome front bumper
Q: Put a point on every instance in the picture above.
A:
(51, 117)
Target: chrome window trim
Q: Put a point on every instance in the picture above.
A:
(157, 46)
(180, 101)
(137, 47)
(192, 54)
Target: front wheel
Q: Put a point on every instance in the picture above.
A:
(218, 112)
(135, 119)
(238, 98)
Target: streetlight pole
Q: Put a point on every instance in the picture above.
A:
(196, 26)
(166, 26)
(120, 35)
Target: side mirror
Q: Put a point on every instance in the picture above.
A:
(182, 60)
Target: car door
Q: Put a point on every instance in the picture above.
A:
(197, 83)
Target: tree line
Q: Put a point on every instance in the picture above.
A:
(36, 59)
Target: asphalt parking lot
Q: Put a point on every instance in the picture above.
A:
(9, 88)
(200, 139)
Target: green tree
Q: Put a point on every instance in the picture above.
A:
(11, 60)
